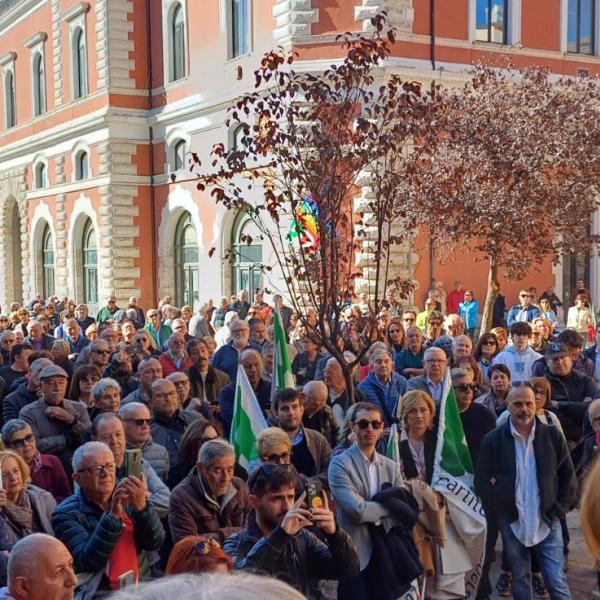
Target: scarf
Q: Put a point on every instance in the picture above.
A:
(36, 463)
(123, 558)
(19, 515)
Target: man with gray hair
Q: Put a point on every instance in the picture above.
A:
(453, 326)
(432, 380)
(199, 326)
(149, 370)
(100, 514)
(136, 420)
(39, 566)
(210, 500)
(317, 414)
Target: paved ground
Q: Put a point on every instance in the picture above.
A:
(581, 571)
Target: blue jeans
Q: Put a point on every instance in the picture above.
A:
(551, 559)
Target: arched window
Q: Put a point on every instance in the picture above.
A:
(47, 262)
(236, 138)
(81, 165)
(179, 155)
(10, 115)
(239, 27)
(39, 92)
(247, 258)
(41, 177)
(177, 44)
(186, 263)
(89, 260)
(79, 66)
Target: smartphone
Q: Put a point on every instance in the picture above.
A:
(133, 462)
(127, 579)
(314, 494)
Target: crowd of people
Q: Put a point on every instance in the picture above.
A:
(116, 466)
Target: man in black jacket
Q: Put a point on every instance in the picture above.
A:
(277, 542)
(525, 476)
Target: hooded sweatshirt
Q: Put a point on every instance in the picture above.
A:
(520, 364)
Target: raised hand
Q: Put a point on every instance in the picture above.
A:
(323, 518)
(296, 518)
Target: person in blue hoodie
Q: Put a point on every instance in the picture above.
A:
(383, 386)
(468, 310)
(525, 311)
(519, 357)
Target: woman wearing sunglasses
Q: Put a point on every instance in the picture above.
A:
(46, 470)
(84, 379)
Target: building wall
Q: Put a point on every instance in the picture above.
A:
(133, 115)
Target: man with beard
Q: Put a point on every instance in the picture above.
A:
(277, 542)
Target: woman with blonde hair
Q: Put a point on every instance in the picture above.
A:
(418, 438)
(502, 337)
(24, 508)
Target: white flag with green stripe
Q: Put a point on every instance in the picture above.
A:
(248, 420)
(392, 450)
(282, 366)
(463, 553)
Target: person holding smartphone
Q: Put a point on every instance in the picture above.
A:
(277, 541)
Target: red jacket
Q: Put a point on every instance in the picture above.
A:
(170, 367)
(51, 476)
(453, 299)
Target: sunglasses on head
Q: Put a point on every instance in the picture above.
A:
(376, 424)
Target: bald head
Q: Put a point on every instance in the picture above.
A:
(40, 566)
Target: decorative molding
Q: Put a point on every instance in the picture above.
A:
(293, 18)
(7, 58)
(36, 38)
(57, 62)
(115, 44)
(400, 13)
(76, 10)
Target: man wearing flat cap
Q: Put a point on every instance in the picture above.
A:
(58, 423)
(572, 391)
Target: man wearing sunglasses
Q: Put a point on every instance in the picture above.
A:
(136, 420)
(525, 311)
(277, 541)
(355, 476)
(476, 419)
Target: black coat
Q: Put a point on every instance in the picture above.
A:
(495, 475)
(299, 560)
(395, 562)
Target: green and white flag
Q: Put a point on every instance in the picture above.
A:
(462, 555)
(282, 366)
(248, 420)
(392, 450)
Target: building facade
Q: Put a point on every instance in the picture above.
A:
(102, 103)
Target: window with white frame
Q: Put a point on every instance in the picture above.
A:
(10, 114)
(82, 165)
(239, 27)
(492, 21)
(177, 46)
(178, 155)
(39, 88)
(41, 175)
(78, 63)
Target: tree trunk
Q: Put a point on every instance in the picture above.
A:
(490, 298)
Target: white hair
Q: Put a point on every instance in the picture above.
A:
(213, 586)
(24, 556)
(89, 448)
(214, 450)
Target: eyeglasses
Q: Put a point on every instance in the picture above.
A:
(103, 352)
(435, 323)
(489, 343)
(90, 378)
(277, 458)
(525, 296)
(465, 387)
(20, 442)
(139, 422)
(408, 319)
(100, 469)
(165, 394)
(365, 423)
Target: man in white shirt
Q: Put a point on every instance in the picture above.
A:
(355, 476)
(525, 476)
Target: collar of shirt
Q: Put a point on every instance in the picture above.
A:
(298, 438)
(517, 435)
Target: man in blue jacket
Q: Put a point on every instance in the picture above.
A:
(383, 386)
(525, 311)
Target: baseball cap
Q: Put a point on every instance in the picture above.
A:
(556, 350)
